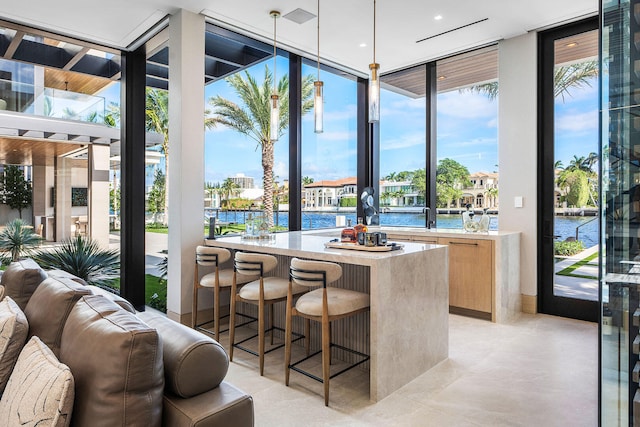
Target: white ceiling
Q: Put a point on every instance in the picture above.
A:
(345, 24)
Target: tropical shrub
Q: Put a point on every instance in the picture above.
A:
(84, 258)
(18, 239)
(568, 248)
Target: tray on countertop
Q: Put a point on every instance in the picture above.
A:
(356, 247)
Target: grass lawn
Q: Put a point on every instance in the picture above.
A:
(569, 270)
(152, 285)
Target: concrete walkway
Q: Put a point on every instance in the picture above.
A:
(155, 244)
(577, 287)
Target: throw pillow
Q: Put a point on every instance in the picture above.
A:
(14, 329)
(40, 390)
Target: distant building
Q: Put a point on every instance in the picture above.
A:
(483, 193)
(399, 193)
(327, 193)
(242, 180)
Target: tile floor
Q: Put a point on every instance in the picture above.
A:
(537, 371)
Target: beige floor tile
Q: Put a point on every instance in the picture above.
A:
(537, 371)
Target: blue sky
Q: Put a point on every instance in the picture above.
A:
(467, 131)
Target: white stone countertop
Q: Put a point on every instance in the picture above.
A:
(422, 231)
(304, 244)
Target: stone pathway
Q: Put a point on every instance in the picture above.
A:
(578, 287)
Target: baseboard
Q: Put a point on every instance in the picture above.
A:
(529, 304)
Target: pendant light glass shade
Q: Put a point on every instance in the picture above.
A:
(318, 107)
(374, 81)
(374, 93)
(274, 122)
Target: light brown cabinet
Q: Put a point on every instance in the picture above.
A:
(470, 276)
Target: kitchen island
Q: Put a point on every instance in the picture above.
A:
(406, 331)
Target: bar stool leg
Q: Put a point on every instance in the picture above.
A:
(261, 337)
(232, 317)
(216, 311)
(326, 355)
(287, 337)
(307, 335)
(271, 321)
(194, 307)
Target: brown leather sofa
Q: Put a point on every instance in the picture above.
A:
(133, 369)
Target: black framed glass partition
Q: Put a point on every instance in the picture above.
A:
(620, 213)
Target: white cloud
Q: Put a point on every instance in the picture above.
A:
(466, 105)
(281, 171)
(410, 140)
(578, 122)
(338, 136)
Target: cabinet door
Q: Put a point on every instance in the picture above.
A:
(425, 239)
(470, 273)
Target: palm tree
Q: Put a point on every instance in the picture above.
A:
(229, 189)
(578, 162)
(211, 189)
(157, 120)
(252, 117)
(565, 77)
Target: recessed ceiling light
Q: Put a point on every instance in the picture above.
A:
(362, 45)
(572, 44)
(437, 17)
(442, 77)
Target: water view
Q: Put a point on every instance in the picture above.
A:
(580, 227)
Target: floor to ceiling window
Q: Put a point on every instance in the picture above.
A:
(329, 193)
(467, 136)
(56, 164)
(244, 169)
(403, 169)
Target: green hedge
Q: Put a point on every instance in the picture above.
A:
(348, 202)
(568, 248)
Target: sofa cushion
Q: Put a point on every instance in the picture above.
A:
(193, 362)
(49, 307)
(21, 279)
(40, 390)
(225, 405)
(120, 381)
(66, 275)
(14, 329)
(123, 303)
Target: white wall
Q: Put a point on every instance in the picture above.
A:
(517, 136)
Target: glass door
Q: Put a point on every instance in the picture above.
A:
(569, 200)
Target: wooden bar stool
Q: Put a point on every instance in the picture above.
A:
(263, 292)
(322, 305)
(207, 256)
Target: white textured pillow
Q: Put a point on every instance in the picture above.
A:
(14, 329)
(40, 390)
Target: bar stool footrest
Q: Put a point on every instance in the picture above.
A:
(312, 376)
(274, 328)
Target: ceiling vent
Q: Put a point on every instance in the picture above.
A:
(299, 16)
(452, 30)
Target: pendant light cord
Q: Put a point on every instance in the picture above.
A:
(275, 17)
(318, 52)
(374, 31)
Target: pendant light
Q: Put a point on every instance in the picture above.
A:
(374, 82)
(274, 123)
(318, 107)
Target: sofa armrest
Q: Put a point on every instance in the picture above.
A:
(225, 405)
